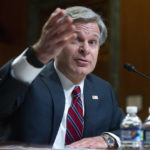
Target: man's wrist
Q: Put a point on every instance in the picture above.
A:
(22, 70)
(32, 59)
(111, 142)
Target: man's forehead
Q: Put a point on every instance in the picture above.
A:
(90, 28)
(81, 32)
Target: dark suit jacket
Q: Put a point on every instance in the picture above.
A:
(34, 112)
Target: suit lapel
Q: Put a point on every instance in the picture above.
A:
(58, 97)
(92, 98)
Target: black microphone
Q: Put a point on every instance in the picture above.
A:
(131, 68)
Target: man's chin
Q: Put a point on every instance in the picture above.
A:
(82, 73)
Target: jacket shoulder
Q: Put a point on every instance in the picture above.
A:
(97, 80)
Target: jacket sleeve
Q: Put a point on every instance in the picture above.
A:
(117, 115)
(12, 91)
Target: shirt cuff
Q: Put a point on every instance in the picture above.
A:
(115, 137)
(22, 70)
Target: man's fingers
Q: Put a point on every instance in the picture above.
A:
(97, 145)
(61, 26)
(92, 143)
(59, 36)
(80, 143)
(59, 31)
(64, 24)
(61, 44)
(53, 19)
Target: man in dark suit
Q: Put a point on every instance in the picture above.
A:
(36, 87)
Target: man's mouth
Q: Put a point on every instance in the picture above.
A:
(81, 62)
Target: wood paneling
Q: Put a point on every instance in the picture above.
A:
(13, 28)
(135, 49)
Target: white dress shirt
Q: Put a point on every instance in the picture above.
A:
(25, 72)
(68, 87)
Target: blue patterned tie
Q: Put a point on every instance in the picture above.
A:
(75, 120)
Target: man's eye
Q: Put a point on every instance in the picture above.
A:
(92, 42)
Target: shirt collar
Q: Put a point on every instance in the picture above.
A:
(66, 83)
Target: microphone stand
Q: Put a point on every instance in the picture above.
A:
(143, 75)
(130, 68)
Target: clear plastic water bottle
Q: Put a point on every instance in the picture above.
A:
(146, 129)
(131, 129)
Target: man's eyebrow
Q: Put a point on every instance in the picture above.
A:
(79, 32)
(97, 35)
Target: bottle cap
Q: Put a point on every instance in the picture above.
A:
(131, 109)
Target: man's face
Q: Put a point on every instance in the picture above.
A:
(79, 57)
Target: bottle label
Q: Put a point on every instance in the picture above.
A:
(147, 136)
(132, 135)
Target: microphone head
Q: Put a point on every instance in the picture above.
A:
(129, 67)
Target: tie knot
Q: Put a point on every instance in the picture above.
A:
(76, 92)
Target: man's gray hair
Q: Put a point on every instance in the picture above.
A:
(87, 14)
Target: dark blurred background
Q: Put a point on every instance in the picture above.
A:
(128, 23)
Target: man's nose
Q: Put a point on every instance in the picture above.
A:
(84, 48)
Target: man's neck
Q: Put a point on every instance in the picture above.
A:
(75, 79)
